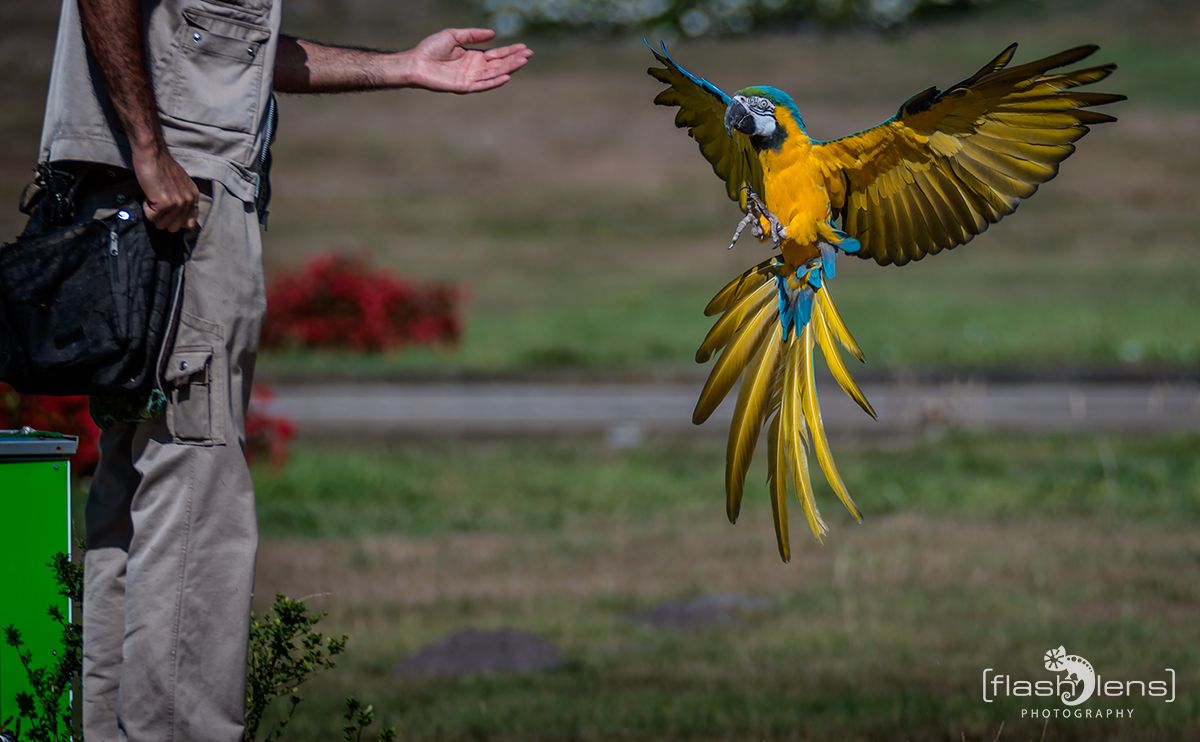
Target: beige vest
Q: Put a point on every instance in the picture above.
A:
(210, 64)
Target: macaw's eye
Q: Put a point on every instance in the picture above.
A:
(759, 105)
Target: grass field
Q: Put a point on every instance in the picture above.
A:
(588, 232)
(976, 552)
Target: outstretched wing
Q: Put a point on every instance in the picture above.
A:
(702, 112)
(952, 162)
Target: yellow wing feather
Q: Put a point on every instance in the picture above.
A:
(950, 163)
(702, 112)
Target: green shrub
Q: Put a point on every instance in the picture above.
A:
(285, 651)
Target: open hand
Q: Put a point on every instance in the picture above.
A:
(444, 63)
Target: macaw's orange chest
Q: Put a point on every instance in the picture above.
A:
(794, 186)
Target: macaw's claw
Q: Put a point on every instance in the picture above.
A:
(778, 231)
(756, 228)
(758, 209)
(749, 220)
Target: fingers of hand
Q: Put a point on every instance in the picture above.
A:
(472, 35)
(505, 51)
(172, 197)
(170, 219)
(494, 82)
(193, 216)
(175, 211)
(505, 65)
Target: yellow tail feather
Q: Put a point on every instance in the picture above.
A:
(748, 416)
(837, 366)
(733, 360)
(825, 302)
(777, 385)
(777, 481)
(816, 428)
(723, 329)
(732, 291)
(795, 442)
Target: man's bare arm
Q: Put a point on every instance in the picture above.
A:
(441, 62)
(113, 30)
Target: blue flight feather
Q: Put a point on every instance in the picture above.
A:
(828, 260)
(666, 59)
(785, 305)
(804, 308)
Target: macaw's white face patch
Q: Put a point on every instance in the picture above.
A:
(752, 115)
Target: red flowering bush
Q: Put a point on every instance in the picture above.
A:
(340, 302)
(266, 435)
(55, 414)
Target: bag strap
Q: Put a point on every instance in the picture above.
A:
(60, 191)
(54, 189)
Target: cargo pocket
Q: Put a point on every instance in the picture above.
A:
(195, 380)
(218, 70)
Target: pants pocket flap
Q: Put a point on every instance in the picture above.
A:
(227, 27)
(187, 362)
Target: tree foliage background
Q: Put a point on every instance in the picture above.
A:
(705, 17)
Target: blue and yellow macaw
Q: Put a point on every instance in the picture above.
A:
(932, 177)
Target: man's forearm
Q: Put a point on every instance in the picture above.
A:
(303, 66)
(113, 30)
(446, 61)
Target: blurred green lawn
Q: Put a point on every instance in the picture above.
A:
(976, 551)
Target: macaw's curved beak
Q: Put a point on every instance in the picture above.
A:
(738, 116)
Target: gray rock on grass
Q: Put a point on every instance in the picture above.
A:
(482, 652)
(705, 611)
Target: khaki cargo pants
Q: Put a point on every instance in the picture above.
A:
(171, 531)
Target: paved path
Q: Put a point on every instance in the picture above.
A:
(622, 411)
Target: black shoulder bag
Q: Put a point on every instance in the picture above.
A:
(89, 293)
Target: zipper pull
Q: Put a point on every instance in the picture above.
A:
(114, 243)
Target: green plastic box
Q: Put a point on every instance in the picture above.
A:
(35, 520)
